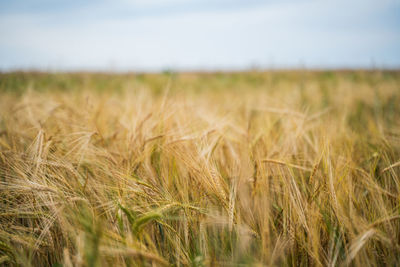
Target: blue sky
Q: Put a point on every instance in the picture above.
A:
(152, 35)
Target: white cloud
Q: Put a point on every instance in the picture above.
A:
(312, 32)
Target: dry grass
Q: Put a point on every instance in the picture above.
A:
(286, 168)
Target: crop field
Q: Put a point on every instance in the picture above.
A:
(274, 168)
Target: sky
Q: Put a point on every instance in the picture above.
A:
(157, 35)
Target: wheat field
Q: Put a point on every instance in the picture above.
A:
(276, 168)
